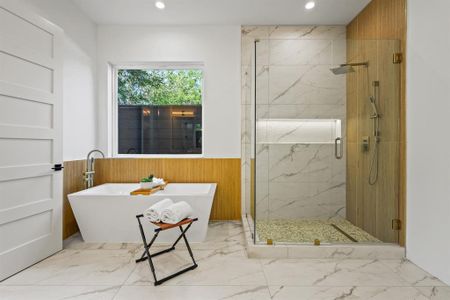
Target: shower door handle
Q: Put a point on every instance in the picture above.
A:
(338, 153)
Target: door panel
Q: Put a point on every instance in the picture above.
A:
(25, 73)
(14, 194)
(23, 112)
(25, 33)
(30, 138)
(21, 152)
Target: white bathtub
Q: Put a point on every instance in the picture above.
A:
(107, 213)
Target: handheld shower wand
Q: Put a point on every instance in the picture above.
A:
(374, 116)
(373, 171)
(374, 105)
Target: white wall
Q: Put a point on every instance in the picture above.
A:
(79, 75)
(428, 149)
(217, 47)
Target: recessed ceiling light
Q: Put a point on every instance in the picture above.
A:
(160, 5)
(310, 5)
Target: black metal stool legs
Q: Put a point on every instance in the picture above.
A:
(147, 247)
(187, 244)
(146, 254)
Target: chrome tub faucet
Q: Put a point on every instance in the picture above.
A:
(88, 176)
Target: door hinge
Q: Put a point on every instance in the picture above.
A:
(57, 167)
(397, 58)
(396, 224)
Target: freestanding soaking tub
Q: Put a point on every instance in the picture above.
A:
(107, 213)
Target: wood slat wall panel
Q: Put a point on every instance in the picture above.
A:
(73, 182)
(223, 171)
(380, 20)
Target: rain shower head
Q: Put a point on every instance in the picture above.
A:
(343, 69)
(347, 68)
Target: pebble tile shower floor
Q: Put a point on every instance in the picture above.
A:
(306, 231)
(108, 271)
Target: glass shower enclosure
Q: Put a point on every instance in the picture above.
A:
(314, 142)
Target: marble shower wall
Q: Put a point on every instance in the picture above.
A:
(293, 81)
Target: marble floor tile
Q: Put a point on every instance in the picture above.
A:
(325, 272)
(75, 242)
(435, 292)
(412, 274)
(194, 292)
(212, 270)
(350, 292)
(222, 235)
(77, 267)
(109, 271)
(57, 292)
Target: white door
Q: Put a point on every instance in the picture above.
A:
(30, 139)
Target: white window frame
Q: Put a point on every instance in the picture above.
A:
(115, 111)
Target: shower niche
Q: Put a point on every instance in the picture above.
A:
(298, 131)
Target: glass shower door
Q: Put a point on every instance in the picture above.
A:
(315, 142)
(373, 166)
(299, 148)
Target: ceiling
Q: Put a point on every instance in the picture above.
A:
(222, 12)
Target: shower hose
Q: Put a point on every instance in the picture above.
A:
(373, 170)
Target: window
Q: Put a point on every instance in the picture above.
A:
(159, 111)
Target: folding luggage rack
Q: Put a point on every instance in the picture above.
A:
(161, 227)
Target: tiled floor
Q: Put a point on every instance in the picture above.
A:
(108, 271)
(306, 231)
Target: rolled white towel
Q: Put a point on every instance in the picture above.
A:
(158, 181)
(176, 212)
(154, 212)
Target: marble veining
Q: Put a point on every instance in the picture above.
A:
(300, 52)
(307, 32)
(108, 271)
(293, 81)
(305, 84)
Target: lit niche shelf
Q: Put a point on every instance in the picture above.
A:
(297, 131)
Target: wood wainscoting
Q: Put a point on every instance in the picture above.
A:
(73, 182)
(226, 172)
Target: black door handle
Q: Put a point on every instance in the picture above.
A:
(58, 167)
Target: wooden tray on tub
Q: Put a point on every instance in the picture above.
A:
(147, 192)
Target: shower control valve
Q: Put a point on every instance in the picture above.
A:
(365, 143)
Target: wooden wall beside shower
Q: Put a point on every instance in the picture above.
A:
(370, 36)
